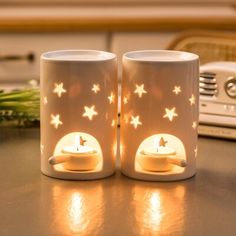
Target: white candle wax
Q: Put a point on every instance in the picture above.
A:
(78, 150)
(160, 151)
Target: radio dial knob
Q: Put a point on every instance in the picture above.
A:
(230, 87)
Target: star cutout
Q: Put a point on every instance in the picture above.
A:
(59, 89)
(135, 121)
(194, 125)
(96, 88)
(45, 100)
(176, 90)
(111, 98)
(192, 100)
(170, 113)
(195, 151)
(89, 112)
(55, 120)
(140, 90)
(125, 100)
(41, 148)
(82, 141)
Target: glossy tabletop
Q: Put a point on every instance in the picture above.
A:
(34, 204)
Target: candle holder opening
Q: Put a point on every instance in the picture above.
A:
(161, 154)
(77, 151)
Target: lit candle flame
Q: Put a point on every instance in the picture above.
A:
(159, 143)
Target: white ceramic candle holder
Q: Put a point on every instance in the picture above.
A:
(159, 115)
(78, 114)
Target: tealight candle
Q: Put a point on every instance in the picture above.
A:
(77, 157)
(161, 158)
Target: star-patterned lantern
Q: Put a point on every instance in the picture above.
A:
(78, 114)
(159, 120)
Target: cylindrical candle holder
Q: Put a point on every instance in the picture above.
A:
(159, 115)
(78, 114)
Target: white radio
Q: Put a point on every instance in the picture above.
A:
(218, 100)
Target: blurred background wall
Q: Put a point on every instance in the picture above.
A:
(30, 27)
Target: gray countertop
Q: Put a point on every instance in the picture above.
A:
(33, 204)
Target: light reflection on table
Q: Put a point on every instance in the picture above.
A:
(34, 204)
(84, 209)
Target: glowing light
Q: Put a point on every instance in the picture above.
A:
(121, 150)
(114, 149)
(140, 90)
(82, 141)
(59, 89)
(113, 123)
(125, 100)
(55, 120)
(106, 116)
(89, 112)
(192, 100)
(96, 88)
(126, 119)
(135, 121)
(111, 98)
(154, 210)
(170, 114)
(177, 90)
(77, 209)
(45, 100)
(195, 151)
(41, 148)
(194, 125)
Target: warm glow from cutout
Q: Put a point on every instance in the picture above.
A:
(126, 118)
(89, 112)
(121, 149)
(114, 150)
(111, 98)
(194, 125)
(140, 90)
(41, 148)
(170, 114)
(96, 88)
(45, 100)
(177, 90)
(113, 123)
(192, 100)
(106, 116)
(135, 121)
(125, 100)
(195, 151)
(59, 89)
(55, 120)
